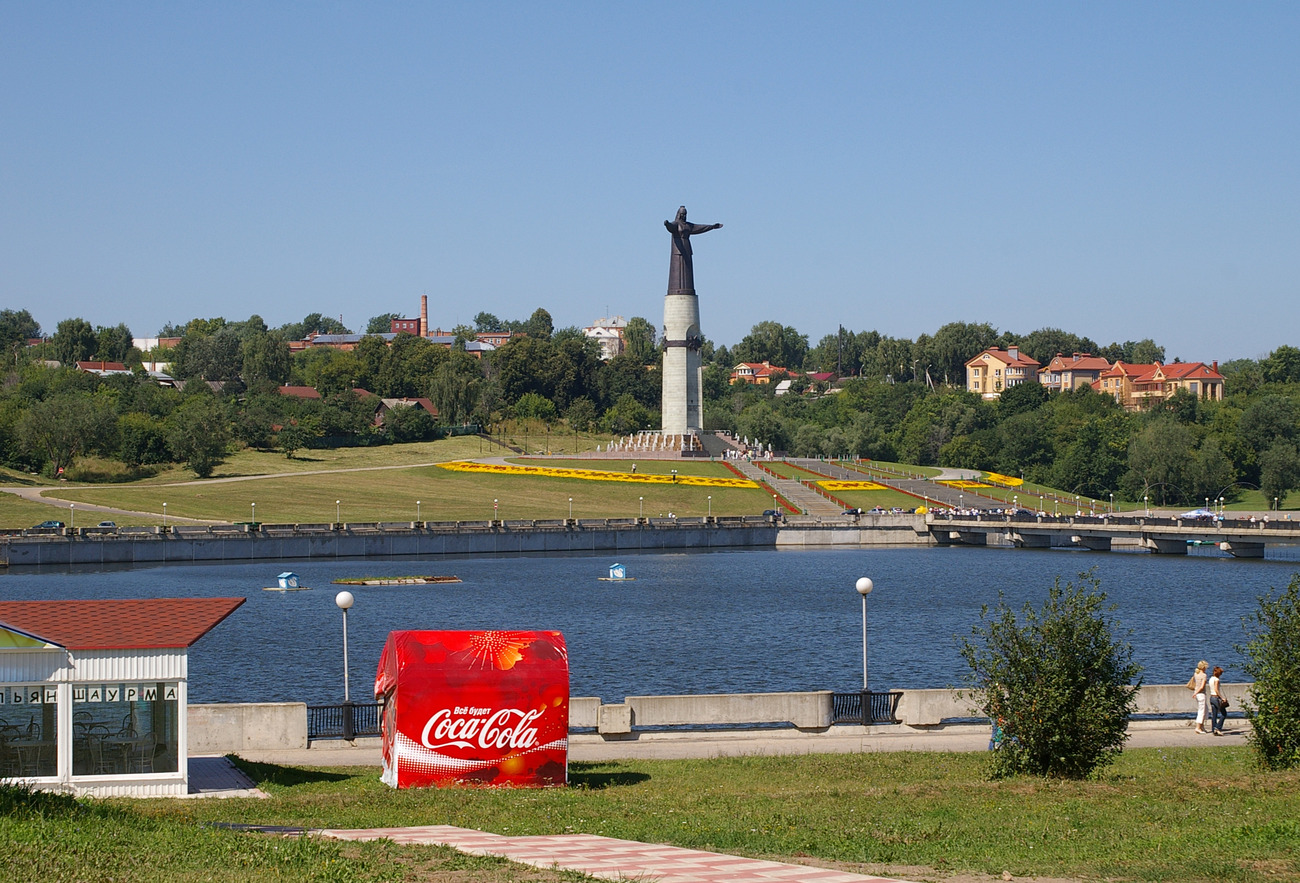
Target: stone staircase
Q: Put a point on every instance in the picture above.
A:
(802, 498)
(931, 491)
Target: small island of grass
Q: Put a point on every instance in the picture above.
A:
(395, 580)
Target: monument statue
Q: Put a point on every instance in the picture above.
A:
(681, 272)
(683, 371)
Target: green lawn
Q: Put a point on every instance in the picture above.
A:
(391, 495)
(1193, 814)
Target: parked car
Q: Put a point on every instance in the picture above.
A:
(46, 525)
(852, 511)
(772, 513)
(107, 524)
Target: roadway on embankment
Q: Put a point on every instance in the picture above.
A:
(770, 742)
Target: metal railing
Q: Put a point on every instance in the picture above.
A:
(346, 720)
(880, 708)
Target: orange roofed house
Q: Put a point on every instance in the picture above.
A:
(756, 372)
(1138, 387)
(1081, 369)
(995, 369)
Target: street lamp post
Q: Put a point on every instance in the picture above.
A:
(864, 587)
(254, 505)
(72, 515)
(337, 519)
(344, 600)
(417, 513)
(570, 508)
(710, 505)
(164, 514)
(494, 510)
(1112, 502)
(1146, 504)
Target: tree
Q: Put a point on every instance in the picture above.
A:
(1272, 658)
(1160, 458)
(539, 324)
(1059, 682)
(16, 328)
(953, 345)
(531, 406)
(488, 322)
(142, 440)
(381, 324)
(313, 322)
(74, 340)
(198, 433)
(639, 341)
(456, 387)
(264, 359)
(1282, 365)
(112, 344)
(407, 423)
(780, 345)
(1279, 470)
(65, 426)
(1045, 343)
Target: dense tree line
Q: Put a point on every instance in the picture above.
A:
(897, 399)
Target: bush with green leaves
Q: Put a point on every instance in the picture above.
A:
(1059, 681)
(1272, 658)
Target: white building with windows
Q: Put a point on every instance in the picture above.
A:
(608, 332)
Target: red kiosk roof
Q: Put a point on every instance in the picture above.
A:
(134, 624)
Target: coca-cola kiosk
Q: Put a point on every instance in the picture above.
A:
(486, 707)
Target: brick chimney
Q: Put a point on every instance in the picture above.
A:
(424, 315)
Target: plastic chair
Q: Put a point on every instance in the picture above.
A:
(139, 754)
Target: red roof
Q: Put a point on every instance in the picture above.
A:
(300, 392)
(134, 624)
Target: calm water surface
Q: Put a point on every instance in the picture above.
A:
(718, 622)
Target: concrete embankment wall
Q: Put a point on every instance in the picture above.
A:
(220, 728)
(228, 543)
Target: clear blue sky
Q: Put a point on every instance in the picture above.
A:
(1119, 170)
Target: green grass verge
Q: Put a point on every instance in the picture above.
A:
(1157, 814)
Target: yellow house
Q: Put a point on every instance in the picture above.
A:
(995, 369)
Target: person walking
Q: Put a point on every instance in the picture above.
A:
(1218, 703)
(1197, 686)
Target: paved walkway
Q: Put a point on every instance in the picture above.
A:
(607, 858)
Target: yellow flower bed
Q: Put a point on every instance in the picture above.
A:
(852, 486)
(1005, 479)
(965, 485)
(597, 475)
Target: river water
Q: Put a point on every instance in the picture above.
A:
(715, 622)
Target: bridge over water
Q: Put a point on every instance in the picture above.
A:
(1242, 538)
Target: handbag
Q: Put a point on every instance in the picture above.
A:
(1191, 683)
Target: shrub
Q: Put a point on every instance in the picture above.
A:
(1272, 657)
(1058, 681)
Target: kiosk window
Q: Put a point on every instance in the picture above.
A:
(28, 730)
(123, 729)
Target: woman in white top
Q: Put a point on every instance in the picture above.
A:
(1198, 689)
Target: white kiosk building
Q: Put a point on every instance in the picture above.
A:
(93, 693)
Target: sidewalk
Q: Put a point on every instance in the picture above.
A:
(733, 743)
(608, 858)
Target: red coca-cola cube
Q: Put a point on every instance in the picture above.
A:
(489, 707)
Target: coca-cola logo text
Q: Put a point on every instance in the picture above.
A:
(469, 727)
